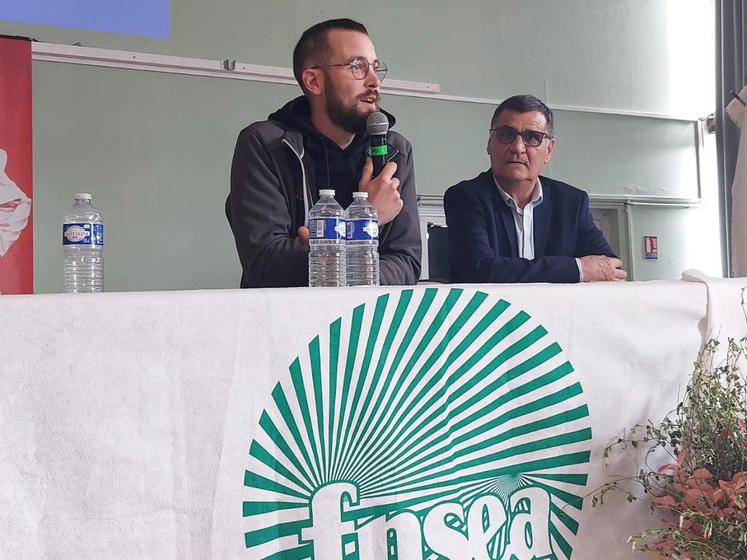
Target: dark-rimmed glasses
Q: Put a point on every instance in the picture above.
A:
(508, 134)
(360, 67)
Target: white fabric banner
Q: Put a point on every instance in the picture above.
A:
(453, 422)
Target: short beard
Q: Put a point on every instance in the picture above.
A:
(350, 120)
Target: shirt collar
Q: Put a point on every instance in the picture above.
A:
(536, 194)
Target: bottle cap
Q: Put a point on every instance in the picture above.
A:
(83, 195)
(359, 194)
(326, 192)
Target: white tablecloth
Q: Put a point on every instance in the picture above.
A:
(277, 423)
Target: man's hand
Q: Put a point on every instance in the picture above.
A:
(303, 235)
(602, 269)
(382, 190)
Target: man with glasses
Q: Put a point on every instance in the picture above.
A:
(510, 224)
(319, 141)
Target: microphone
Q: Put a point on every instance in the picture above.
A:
(377, 126)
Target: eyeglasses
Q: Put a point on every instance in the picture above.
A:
(360, 67)
(507, 135)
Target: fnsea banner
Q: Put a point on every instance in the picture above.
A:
(16, 168)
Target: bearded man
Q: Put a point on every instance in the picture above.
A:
(319, 141)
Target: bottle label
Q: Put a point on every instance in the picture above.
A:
(327, 229)
(363, 231)
(83, 234)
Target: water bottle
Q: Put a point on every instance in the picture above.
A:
(362, 242)
(326, 242)
(83, 246)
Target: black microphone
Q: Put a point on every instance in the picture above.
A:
(377, 126)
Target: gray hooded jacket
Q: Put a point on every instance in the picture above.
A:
(272, 188)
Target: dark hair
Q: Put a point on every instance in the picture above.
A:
(312, 48)
(524, 104)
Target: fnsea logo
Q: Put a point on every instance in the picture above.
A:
(432, 424)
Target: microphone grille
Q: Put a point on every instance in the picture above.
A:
(377, 124)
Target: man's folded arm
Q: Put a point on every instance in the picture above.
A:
(542, 269)
(270, 252)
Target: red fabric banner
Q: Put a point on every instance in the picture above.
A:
(16, 168)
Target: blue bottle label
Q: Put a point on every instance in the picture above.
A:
(327, 229)
(364, 230)
(83, 234)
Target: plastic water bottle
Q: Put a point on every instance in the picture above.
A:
(326, 242)
(362, 242)
(83, 246)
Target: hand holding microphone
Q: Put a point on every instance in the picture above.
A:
(382, 190)
(378, 178)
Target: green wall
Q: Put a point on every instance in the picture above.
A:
(155, 148)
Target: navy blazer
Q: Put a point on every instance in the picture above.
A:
(482, 234)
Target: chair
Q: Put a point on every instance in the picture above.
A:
(438, 253)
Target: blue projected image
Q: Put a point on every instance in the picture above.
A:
(149, 18)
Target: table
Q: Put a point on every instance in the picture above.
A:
(460, 421)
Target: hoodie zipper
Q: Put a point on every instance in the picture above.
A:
(306, 193)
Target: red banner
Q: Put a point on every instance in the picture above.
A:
(16, 169)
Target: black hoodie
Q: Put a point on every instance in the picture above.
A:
(334, 167)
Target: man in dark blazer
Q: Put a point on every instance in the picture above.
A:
(510, 224)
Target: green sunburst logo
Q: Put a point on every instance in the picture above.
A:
(433, 424)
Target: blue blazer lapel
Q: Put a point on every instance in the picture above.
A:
(508, 224)
(542, 216)
(504, 215)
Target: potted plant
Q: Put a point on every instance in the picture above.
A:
(702, 487)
